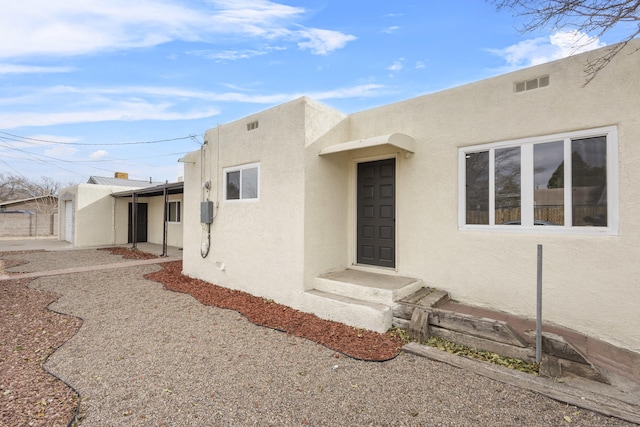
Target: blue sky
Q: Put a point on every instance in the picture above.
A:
(89, 87)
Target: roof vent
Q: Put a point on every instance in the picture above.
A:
(252, 125)
(536, 83)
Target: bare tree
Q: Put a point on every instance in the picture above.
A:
(587, 16)
(14, 187)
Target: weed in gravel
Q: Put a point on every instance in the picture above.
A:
(461, 350)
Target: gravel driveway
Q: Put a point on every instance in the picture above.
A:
(146, 356)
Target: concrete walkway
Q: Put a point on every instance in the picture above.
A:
(52, 244)
(10, 244)
(71, 270)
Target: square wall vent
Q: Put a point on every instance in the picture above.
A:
(536, 83)
(252, 125)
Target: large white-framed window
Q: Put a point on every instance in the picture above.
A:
(173, 211)
(242, 182)
(560, 183)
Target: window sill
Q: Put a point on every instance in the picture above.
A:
(542, 230)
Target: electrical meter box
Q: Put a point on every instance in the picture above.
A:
(206, 212)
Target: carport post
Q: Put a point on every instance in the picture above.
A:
(134, 222)
(164, 224)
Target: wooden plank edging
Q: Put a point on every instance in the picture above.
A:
(561, 391)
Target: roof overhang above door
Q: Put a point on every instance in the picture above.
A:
(398, 140)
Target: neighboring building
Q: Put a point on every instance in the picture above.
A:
(32, 217)
(112, 211)
(447, 188)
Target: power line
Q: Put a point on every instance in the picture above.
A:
(49, 157)
(12, 168)
(124, 160)
(28, 139)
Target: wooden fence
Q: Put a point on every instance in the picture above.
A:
(582, 215)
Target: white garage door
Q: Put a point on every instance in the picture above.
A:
(68, 221)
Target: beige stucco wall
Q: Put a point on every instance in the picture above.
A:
(590, 281)
(256, 245)
(121, 220)
(101, 219)
(155, 218)
(93, 215)
(304, 222)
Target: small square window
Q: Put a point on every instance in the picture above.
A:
(173, 211)
(242, 182)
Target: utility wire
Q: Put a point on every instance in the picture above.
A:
(27, 140)
(35, 156)
(125, 160)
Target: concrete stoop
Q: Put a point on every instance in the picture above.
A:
(359, 298)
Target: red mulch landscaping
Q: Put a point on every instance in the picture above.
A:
(29, 334)
(353, 342)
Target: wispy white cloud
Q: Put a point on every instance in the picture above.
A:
(61, 151)
(396, 66)
(234, 55)
(32, 69)
(123, 112)
(99, 154)
(321, 42)
(135, 103)
(75, 27)
(545, 49)
(391, 29)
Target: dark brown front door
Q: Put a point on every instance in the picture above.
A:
(376, 234)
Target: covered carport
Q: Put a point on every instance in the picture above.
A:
(152, 214)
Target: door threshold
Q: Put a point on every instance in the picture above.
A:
(374, 268)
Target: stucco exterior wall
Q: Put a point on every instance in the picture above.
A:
(256, 244)
(121, 220)
(590, 281)
(155, 219)
(93, 215)
(303, 223)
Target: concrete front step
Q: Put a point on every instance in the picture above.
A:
(366, 286)
(350, 311)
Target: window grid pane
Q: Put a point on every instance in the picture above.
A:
(477, 188)
(548, 165)
(233, 185)
(589, 181)
(507, 186)
(250, 183)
